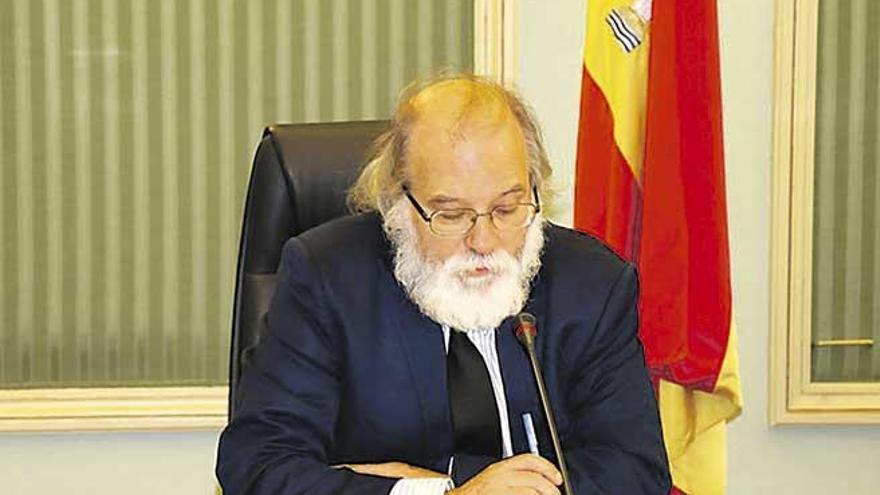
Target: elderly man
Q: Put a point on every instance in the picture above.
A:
(389, 363)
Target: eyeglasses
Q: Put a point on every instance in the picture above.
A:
(460, 221)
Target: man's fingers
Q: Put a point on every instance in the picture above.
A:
(523, 474)
(531, 481)
(532, 462)
(541, 485)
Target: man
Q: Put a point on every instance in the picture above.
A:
(389, 363)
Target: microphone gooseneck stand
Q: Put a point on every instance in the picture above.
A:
(526, 329)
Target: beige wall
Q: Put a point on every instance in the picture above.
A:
(763, 460)
(107, 464)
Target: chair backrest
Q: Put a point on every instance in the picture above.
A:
(299, 179)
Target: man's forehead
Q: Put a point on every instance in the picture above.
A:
(464, 141)
(473, 141)
(469, 174)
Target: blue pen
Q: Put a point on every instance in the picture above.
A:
(531, 438)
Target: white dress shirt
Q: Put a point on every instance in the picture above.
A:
(484, 340)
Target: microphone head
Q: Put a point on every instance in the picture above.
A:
(526, 328)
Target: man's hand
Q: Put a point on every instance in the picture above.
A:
(525, 473)
(393, 470)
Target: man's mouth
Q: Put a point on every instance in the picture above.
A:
(480, 271)
(478, 274)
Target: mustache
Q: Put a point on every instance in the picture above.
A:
(496, 263)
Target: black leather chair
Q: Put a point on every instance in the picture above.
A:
(299, 179)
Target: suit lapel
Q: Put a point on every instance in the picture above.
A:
(425, 354)
(516, 371)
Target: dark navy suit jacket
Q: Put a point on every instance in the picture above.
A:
(349, 371)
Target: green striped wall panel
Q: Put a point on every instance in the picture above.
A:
(846, 217)
(127, 134)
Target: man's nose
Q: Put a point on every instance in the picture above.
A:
(483, 237)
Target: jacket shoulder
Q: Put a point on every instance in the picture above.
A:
(343, 241)
(570, 254)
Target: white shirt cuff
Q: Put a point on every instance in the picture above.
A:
(422, 486)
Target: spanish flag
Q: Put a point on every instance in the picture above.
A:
(650, 183)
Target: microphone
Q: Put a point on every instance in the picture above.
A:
(526, 330)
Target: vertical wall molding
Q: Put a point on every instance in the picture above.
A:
(496, 27)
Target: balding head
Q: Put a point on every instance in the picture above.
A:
(447, 109)
(451, 105)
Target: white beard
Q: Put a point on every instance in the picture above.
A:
(448, 292)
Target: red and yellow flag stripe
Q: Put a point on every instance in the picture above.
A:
(650, 183)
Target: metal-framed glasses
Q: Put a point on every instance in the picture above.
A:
(460, 221)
